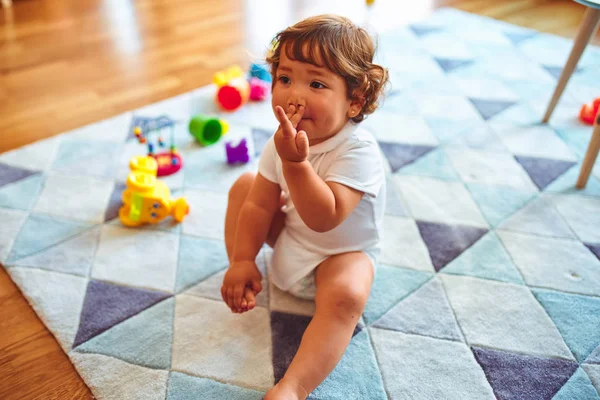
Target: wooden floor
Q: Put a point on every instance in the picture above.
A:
(66, 63)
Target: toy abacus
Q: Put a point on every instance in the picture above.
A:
(169, 162)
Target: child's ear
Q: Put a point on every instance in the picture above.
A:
(356, 105)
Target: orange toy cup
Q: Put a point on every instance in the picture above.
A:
(589, 111)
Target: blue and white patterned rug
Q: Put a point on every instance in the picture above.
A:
(489, 286)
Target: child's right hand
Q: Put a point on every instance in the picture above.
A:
(241, 285)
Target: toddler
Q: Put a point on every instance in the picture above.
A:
(319, 195)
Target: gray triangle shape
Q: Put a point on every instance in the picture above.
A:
(74, 256)
(425, 312)
(449, 64)
(399, 155)
(490, 108)
(543, 171)
(144, 339)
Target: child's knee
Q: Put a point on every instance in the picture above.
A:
(241, 187)
(343, 302)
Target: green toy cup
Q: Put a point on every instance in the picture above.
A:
(207, 130)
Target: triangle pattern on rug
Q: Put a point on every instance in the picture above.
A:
(565, 184)
(422, 30)
(479, 137)
(106, 305)
(556, 71)
(73, 256)
(199, 259)
(516, 376)
(490, 108)
(434, 164)
(356, 375)
(518, 37)
(40, 232)
(111, 378)
(400, 155)
(144, 339)
(450, 64)
(577, 318)
(115, 202)
(426, 312)
(187, 387)
(286, 333)
(22, 194)
(486, 259)
(446, 129)
(394, 204)
(594, 248)
(10, 174)
(446, 242)
(543, 171)
(391, 285)
(539, 217)
(497, 203)
(594, 357)
(579, 386)
(260, 138)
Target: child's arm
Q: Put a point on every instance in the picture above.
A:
(321, 205)
(253, 227)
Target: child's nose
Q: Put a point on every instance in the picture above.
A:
(296, 101)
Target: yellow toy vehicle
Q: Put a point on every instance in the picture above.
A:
(146, 200)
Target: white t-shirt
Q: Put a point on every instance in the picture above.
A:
(351, 158)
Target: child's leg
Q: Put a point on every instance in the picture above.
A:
(343, 286)
(237, 195)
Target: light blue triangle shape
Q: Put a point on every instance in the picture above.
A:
(434, 165)
(538, 217)
(391, 285)
(486, 259)
(579, 386)
(73, 256)
(497, 203)
(185, 387)
(594, 357)
(425, 312)
(199, 259)
(356, 376)
(576, 317)
(40, 232)
(144, 339)
(21, 195)
(446, 129)
(565, 184)
(479, 137)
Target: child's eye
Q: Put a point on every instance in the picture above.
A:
(284, 79)
(317, 85)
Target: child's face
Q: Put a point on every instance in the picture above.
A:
(322, 92)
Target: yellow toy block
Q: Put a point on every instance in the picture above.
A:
(146, 200)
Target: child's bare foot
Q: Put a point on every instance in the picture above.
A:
(248, 301)
(286, 390)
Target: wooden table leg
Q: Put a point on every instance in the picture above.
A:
(588, 26)
(590, 155)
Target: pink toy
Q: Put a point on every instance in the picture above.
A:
(259, 89)
(237, 154)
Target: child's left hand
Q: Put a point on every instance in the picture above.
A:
(291, 145)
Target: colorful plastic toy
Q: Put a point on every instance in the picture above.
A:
(146, 200)
(169, 162)
(233, 89)
(261, 72)
(207, 130)
(237, 154)
(589, 111)
(258, 89)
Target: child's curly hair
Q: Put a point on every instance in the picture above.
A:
(343, 47)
